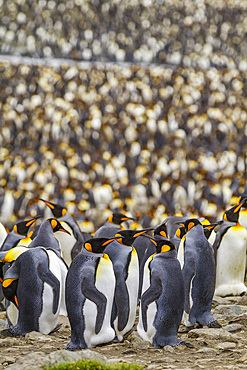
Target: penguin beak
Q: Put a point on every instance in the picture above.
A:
(50, 205)
(32, 221)
(65, 231)
(108, 242)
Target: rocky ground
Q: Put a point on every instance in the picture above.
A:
(212, 348)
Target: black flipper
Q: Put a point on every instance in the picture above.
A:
(76, 248)
(93, 294)
(10, 283)
(48, 277)
(121, 300)
(149, 296)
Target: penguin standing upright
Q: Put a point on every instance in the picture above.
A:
(35, 283)
(162, 299)
(90, 288)
(198, 269)
(112, 225)
(71, 244)
(230, 247)
(126, 269)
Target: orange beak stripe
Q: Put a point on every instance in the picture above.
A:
(16, 301)
(108, 241)
(140, 233)
(49, 205)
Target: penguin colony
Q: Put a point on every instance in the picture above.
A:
(170, 271)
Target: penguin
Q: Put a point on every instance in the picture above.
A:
(172, 224)
(89, 294)
(126, 268)
(162, 299)
(231, 256)
(34, 284)
(145, 247)
(112, 225)
(71, 244)
(199, 273)
(44, 239)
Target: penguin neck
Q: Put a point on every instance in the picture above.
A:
(11, 240)
(45, 237)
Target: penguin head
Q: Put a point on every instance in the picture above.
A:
(188, 224)
(97, 245)
(180, 232)
(57, 210)
(57, 226)
(209, 228)
(241, 198)
(161, 231)
(165, 246)
(22, 227)
(117, 218)
(232, 214)
(127, 237)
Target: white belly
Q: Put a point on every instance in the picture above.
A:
(151, 310)
(48, 320)
(132, 283)
(231, 263)
(105, 283)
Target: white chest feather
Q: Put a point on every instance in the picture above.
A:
(105, 283)
(151, 310)
(48, 320)
(231, 262)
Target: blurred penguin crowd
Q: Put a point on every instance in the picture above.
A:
(153, 124)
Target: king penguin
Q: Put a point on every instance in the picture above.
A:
(90, 289)
(112, 225)
(126, 269)
(162, 299)
(71, 244)
(231, 257)
(198, 269)
(50, 281)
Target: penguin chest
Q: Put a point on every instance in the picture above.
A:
(180, 255)
(132, 283)
(231, 262)
(104, 283)
(151, 309)
(48, 319)
(66, 242)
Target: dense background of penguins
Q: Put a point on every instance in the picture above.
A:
(152, 124)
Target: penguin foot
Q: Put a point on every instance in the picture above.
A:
(214, 324)
(73, 347)
(10, 333)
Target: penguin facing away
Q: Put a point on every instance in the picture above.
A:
(198, 269)
(34, 284)
(162, 299)
(46, 240)
(71, 244)
(230, 246)
(90, 288)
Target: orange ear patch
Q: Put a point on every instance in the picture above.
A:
(53, 223)
(88, 247)
(190, 225)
